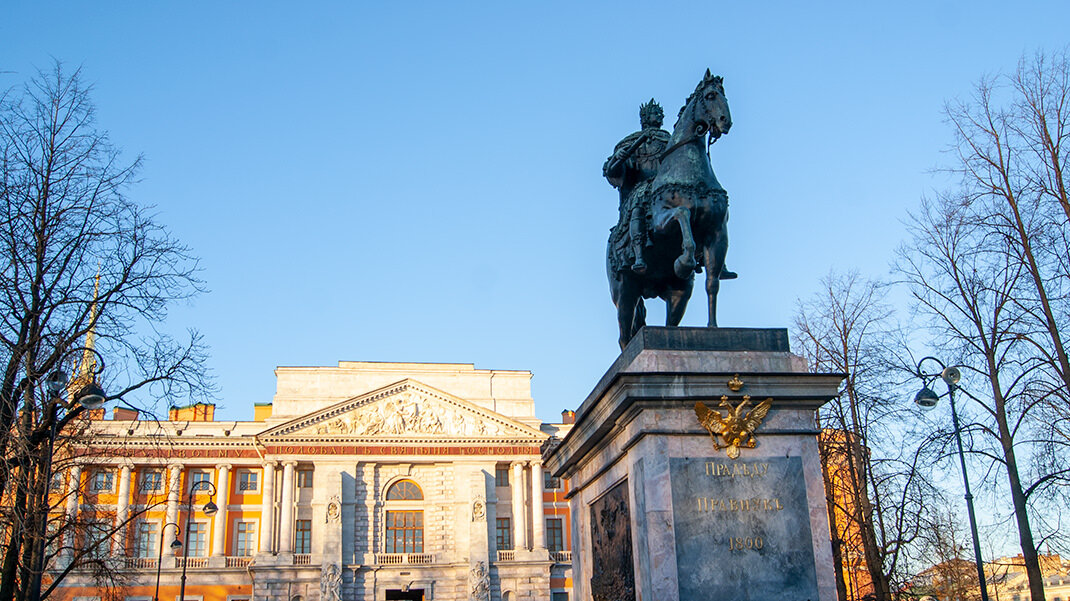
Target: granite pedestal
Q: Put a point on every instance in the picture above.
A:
(659, 513)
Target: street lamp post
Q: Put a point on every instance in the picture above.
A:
(90, 396)
(159, 560)
(208, 509)
(927, 399)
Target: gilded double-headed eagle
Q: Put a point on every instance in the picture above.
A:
(736, 429)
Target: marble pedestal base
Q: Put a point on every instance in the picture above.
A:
(659, 513)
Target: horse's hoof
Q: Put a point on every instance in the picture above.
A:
(684, 267)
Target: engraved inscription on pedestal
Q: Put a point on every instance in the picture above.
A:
(742, 529)
(613, 577)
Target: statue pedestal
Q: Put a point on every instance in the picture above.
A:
(659, 513)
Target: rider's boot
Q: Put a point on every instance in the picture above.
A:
(727, 275)
(635, 232)
(639, 266)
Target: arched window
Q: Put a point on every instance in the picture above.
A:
(404, 490)
(404, 518)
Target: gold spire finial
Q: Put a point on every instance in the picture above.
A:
(86, 369)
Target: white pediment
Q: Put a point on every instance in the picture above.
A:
(406, 409)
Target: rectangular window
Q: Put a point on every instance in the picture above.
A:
(56, 485)
(245, 543)
(559, 597)
(198, 539)
(248, 481)
(405, 531)
(303, 536)
(555, 534)
(151, 481)
(103, 481)
(501, 476)
(549, 482)
(304, 478)
(147, 544)
(198, 476)
(96, 538)
(503, 534)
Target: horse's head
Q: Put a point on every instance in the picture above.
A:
(708, 107)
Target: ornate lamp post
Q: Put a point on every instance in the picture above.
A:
(208, 509)
(175, 544)
(927, 399)
(89, 396)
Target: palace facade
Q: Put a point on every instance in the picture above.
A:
(365, 481)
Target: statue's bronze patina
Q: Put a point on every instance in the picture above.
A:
(673, 212)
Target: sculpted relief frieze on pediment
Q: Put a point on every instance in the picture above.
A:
(409, 412)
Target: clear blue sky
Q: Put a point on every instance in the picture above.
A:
(422, 181)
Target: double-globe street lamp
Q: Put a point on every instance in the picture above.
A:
(175, 544)
(209, 509)
(927, 399)
(90, 396)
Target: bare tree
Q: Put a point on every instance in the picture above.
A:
(941, 545)
(875, 490)
(988, 266)
(77, 256)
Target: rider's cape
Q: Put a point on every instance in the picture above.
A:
(621, 253)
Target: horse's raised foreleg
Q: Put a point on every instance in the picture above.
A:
(713, 256)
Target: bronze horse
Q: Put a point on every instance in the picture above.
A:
(689, 212)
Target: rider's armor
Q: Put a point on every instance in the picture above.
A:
(631, 168)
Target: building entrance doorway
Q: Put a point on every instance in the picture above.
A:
(414, 594)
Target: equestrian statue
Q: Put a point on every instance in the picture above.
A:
(673, 212)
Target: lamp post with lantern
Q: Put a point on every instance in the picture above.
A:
(89, 397)
(927, 399)
(175, 544)
(209, 509)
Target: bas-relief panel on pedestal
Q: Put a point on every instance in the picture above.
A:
(742, 529)
(612, 571)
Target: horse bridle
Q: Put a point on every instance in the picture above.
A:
(702, 130)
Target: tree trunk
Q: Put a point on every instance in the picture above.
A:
(834, 530)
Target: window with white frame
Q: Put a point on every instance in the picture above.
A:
(198, 539)
(147, 544)
(304, 478)
(555, 534)
(245, 539)
(503, 534)
(549, 482)
(198, 476)
(103, 480)
(303, 536)
(404, 522)
(248, 481)
(97, 536)
(151, 481)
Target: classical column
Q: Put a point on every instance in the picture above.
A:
(517, 486)
(219, 527)
(536, 506)
(74, 490)
(174, 495)
(122, 510)
(286, 519)
(267, 509)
